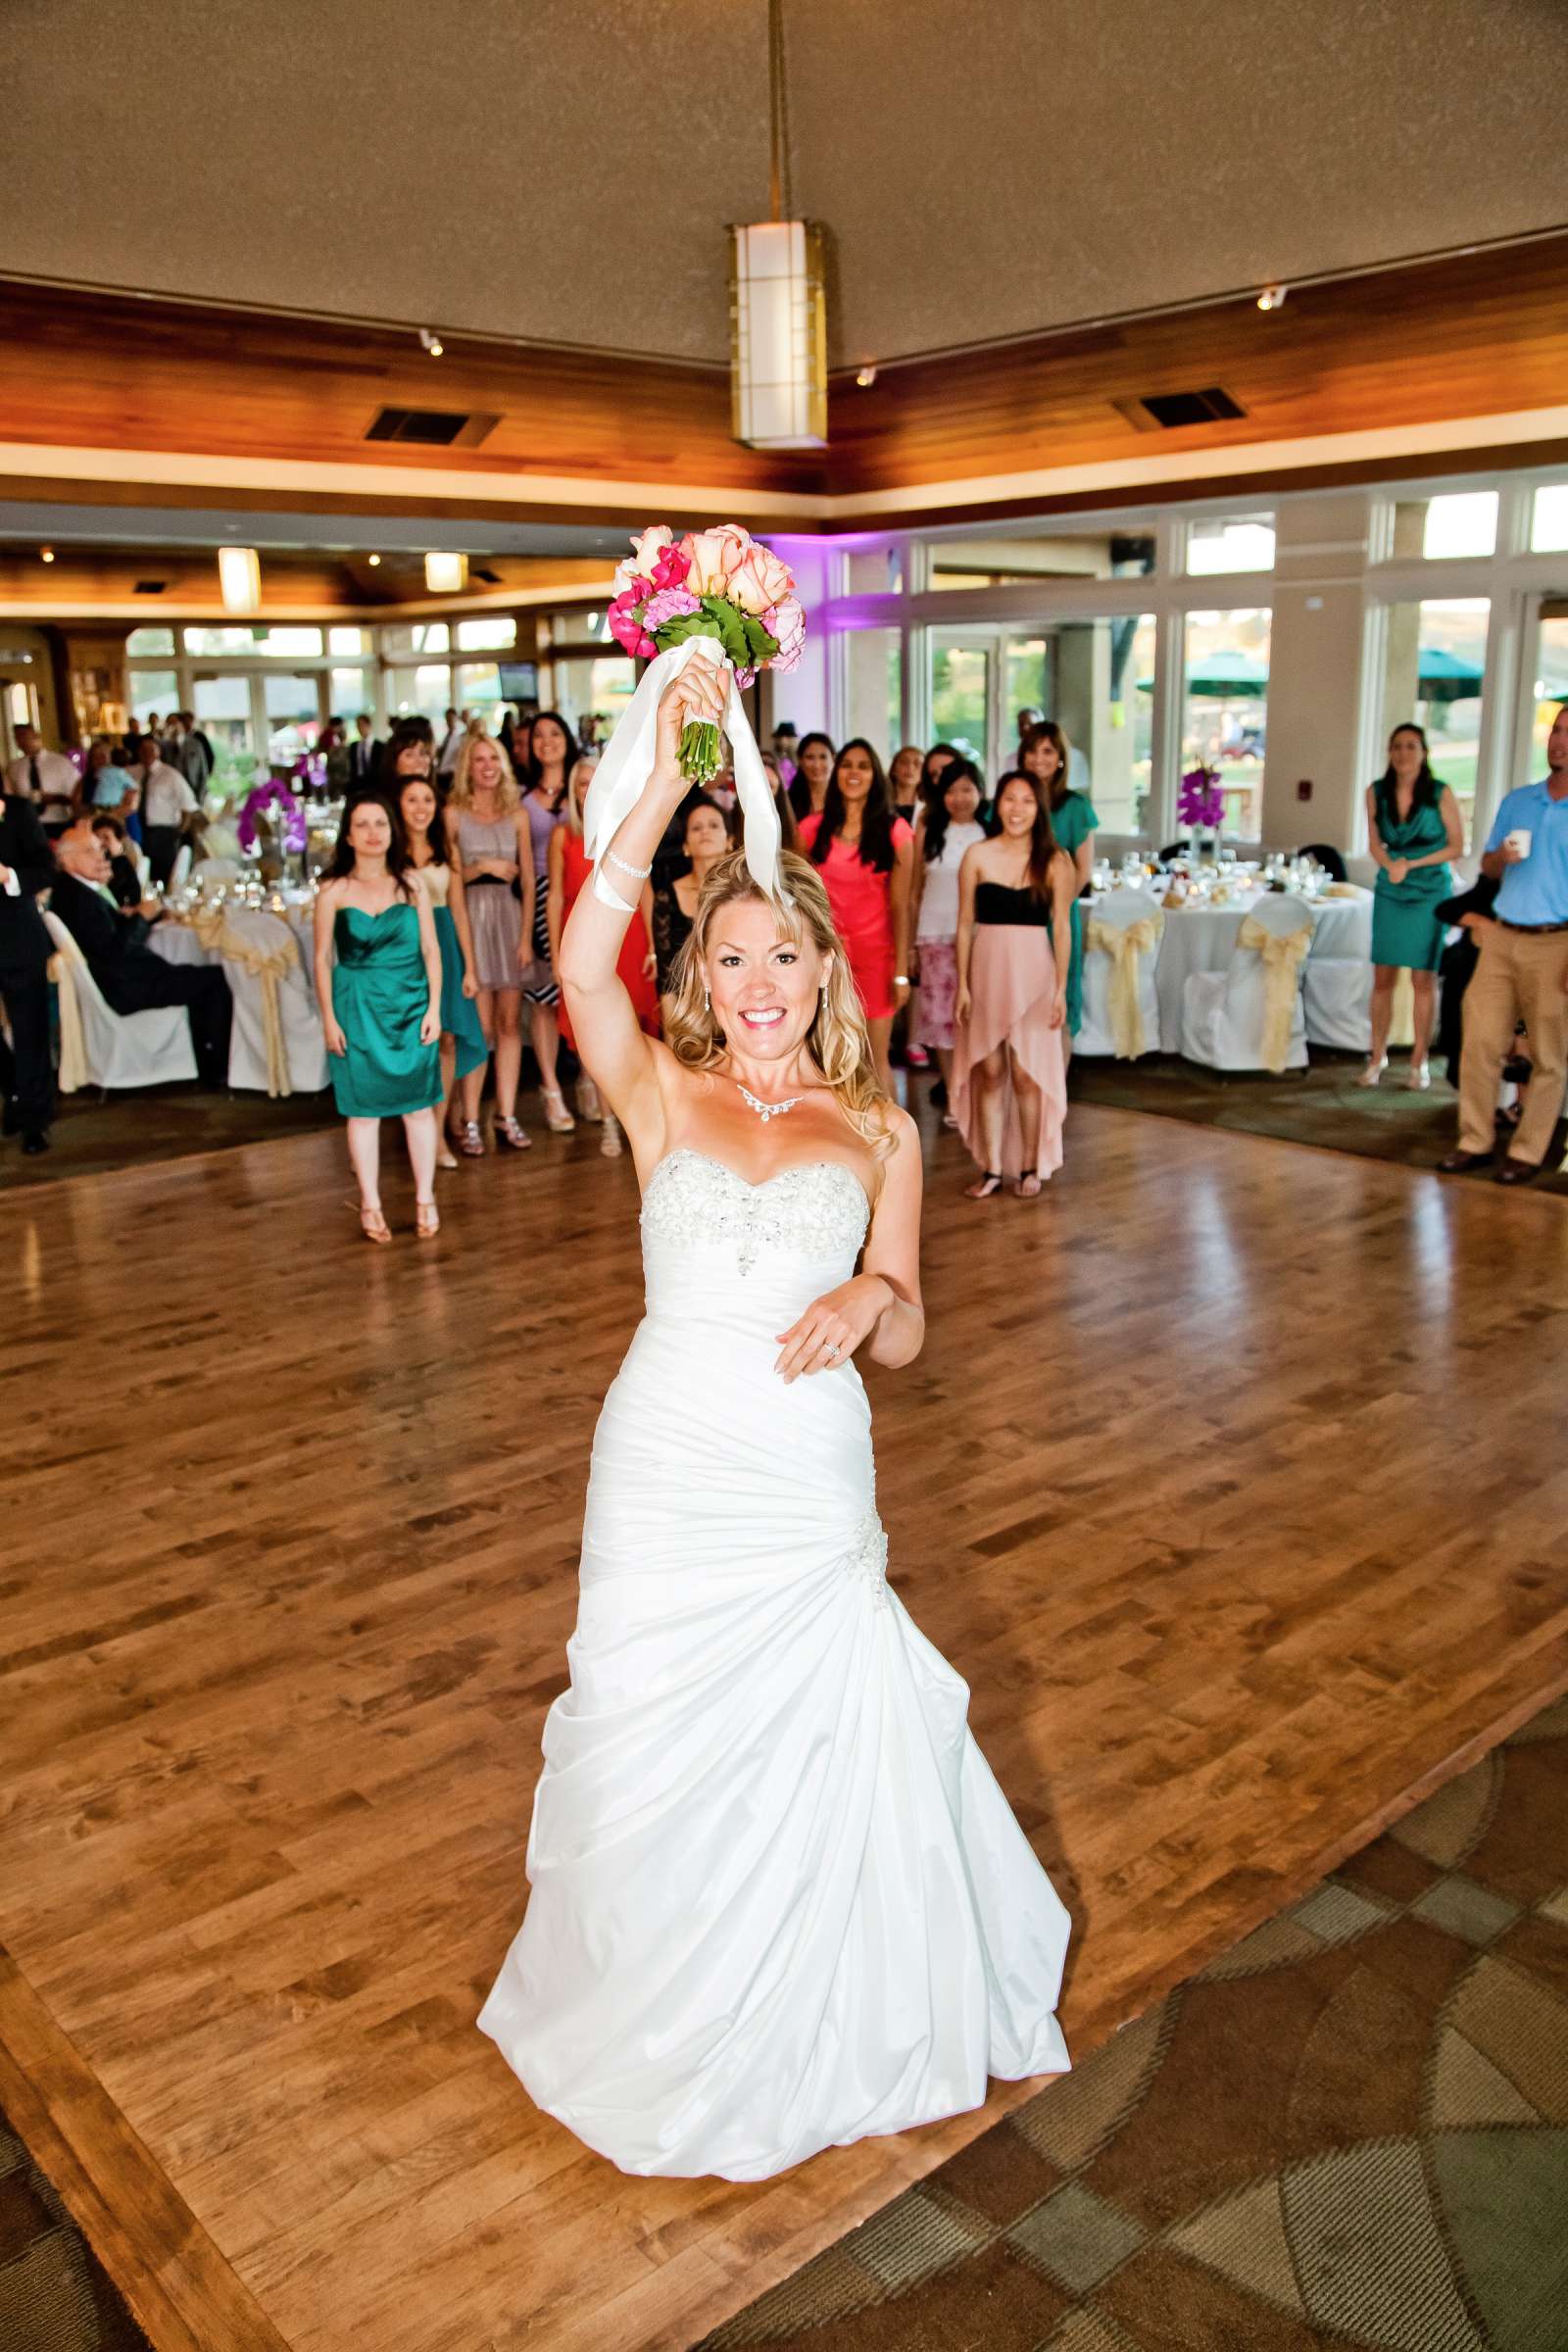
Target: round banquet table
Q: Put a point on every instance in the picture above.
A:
(1202, 939)
(177, 943)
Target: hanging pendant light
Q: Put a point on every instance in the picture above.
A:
(239, 577)
(445, 575)
(778, 302)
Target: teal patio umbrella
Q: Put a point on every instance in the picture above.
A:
(1445, 677)
(1227, 675)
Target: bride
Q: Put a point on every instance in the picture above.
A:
(778, 1900)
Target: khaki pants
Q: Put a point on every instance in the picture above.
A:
(1520, 977)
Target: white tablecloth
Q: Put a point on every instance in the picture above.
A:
(177, 943)
(1202, 939)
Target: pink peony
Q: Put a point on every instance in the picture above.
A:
(787, 622)
(669, 603)
(759, 580)
(715, 555)
(626, 626)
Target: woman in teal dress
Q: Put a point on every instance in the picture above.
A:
(1045, 755)
(1414, 828)
(381, 1004)
(462, 1045)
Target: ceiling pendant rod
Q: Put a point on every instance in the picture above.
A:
(777, 115)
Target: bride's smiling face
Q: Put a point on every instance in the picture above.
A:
(763, 984)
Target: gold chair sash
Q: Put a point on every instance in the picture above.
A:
(1282, 953)
(270, 967)
(1126, 943)
(61, 969)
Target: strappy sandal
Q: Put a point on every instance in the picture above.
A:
(589, 1106)
(444, 1157)
(374, 1227)
(984, 1186)
(511, 1137)
(609, 1142)
(1028, 1187)
(426, 1220)
(470, 1140)
(558, 1118)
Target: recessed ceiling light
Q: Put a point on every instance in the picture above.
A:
(372, 561)
(46, 555)
(1271, 296)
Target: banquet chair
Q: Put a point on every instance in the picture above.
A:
(1336, 1002)
(1137, 1016)
(101, 1048)
(180, 872)
(1249, 1016)
(212, 871)
(279, 1050)
(1331, 859)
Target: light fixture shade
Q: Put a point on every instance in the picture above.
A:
(445, 574)
(778, 335)
(239, 576)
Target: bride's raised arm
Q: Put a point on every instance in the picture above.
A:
(617, 1055)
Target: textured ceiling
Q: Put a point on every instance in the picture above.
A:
(562, 169)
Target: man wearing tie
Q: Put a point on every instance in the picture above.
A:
(365, 757)
(48, 778)
(26, 867)
(129, 976)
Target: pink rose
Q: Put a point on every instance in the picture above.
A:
(759, 580)
(715, 555)
(646, 548)
(787, 622)
(669, 603)
(626, 626)
(673, 566)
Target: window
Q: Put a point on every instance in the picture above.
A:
(1548, 529)
(1225, 708)
(347, 641)
(1231, 542)
(222, 708)
(1459, 523)
(416, 637)
(423, 692)
(602, 685)
(476, 689)
(874, 572)
(1552, 679)
(293, 716)
(1099, 692)
(153, 690)
(490, 632)
(149, 641)
(289, 643)
(1433, 671)
(961, 695)
(349, 691)
(1073, 553)
(875, 707)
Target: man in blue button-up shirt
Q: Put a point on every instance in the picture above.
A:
(1523, 972)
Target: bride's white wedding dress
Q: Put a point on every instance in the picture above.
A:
(778, 1900)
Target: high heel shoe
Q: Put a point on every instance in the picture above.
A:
(511, 1137)
(984, 1186)
(444, 1156)
(589, 1106)
(1373, 1072)
(1418, 1078)
(374, 1226)
(609, 1142)
(426, 1220)
(470, 1140)
(558, 1118)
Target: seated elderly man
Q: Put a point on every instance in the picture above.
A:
(130, 977)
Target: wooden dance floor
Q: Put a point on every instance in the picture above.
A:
(1230, 1480)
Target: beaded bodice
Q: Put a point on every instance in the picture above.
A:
(815, 1212)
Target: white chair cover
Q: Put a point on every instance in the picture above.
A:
(1249, 1018)
(277, 1046)
(212, 871)
(102, 1048)
(1336, 1002)
(180, 873)
(1121, 945)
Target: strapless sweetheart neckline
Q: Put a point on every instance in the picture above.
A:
(759, 1185)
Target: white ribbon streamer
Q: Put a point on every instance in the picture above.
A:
(623, 773)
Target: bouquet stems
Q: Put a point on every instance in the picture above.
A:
(700, 760)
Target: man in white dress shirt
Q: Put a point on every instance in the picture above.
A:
(168, 804)
(452, 743)
(46, 778)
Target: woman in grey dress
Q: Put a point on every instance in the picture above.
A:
(489, 844)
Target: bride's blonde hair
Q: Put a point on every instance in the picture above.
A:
(837, 1040)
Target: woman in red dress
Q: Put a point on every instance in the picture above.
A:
(571, 866)
(865, 851)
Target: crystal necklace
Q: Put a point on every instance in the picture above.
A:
(767, 1111)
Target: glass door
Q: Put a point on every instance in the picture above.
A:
(222, 708)
(963, 670)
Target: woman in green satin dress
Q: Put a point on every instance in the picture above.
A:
(1413, 828)
(462, 1045)
(381, 1004)
(1046, 755)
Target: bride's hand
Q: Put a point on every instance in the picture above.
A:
(698, 695)
(833, 1326)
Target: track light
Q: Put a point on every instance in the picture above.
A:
(866, 378)
(1271, 296)
(431, 342)
(46, 555)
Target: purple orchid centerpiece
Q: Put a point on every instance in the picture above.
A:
(1200, 804)
(269, 804)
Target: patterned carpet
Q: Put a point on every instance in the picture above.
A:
(54, 2295)
(1350, 2132)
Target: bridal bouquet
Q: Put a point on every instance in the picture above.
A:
(719, 583)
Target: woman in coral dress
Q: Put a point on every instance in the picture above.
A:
(1015, 894)
(865, 853)
(571, 866)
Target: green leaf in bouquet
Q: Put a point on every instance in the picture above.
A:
(760, 643)
(731, 629)
(689, 624)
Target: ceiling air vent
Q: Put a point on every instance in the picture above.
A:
(431, 428)
(478, 571)
(1165, 412)
(151, 587)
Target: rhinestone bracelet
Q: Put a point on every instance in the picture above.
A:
(639, 873)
